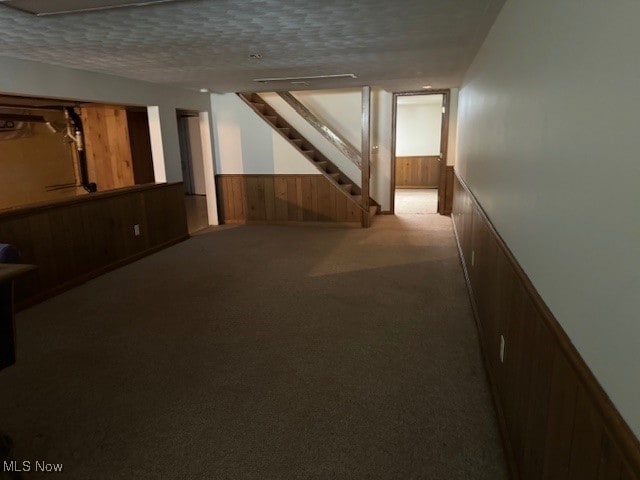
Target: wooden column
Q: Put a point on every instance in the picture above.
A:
(366, 154)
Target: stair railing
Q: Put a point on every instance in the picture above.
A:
(341, 143)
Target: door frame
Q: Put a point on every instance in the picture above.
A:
(185, 148)
(208, 168)
(444, 144)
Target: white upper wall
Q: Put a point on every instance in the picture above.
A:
(246, 144)
(21, 77)
(418, 126)
(340, 109)
(381, 138)
(548, 142)
(314, 136)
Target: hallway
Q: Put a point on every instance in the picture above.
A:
(262, 352)
(416, 201)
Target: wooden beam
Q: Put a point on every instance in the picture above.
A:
(366, 155)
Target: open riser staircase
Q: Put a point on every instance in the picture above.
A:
(325, 166)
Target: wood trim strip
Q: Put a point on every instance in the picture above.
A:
(614, 425)
(448, 197)
(392, 180)
(337, 140)
(444, 152)
(365, 168)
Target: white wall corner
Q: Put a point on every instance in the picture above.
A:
(157, 148)
(209, 169)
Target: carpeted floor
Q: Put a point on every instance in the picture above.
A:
(262, 352)
(418, 201)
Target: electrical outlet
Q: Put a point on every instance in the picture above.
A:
(136, 230)
(473, 257)
(501, 349)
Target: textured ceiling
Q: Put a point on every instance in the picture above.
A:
(398, 45)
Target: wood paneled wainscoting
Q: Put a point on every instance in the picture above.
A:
(282, 198)
(447, 196)
(556, 420)
(74, 240)
(417, 172)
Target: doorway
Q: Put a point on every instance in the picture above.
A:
(193, 171)
(419, 152)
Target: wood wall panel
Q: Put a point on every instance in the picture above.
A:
(140, 144)
(282, 198)
(417, 172)
(73, 240)
(448, 192)
(556, 420)
(108, 147)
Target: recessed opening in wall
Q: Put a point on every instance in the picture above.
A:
(51, 149)
(419, 152)
(193, 169)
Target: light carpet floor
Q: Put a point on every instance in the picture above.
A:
(418, 201)
(261, 352)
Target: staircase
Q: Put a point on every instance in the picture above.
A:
(327, 168)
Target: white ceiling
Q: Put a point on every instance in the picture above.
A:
(399, 45)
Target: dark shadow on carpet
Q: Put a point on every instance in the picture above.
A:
(262, 353)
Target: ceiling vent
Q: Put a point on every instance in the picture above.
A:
(57, 7)
(304, 81)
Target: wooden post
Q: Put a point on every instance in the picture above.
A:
(366, 156)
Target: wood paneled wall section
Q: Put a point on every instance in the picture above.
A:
(108, 149)
(140, 144)
(417, 172)
(77, 239)
(448, 191)
(282, 198)
(556, 420)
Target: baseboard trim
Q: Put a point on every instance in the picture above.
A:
(309, 223)
(612, 422)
